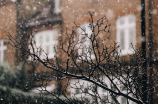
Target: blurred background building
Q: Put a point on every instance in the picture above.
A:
(46, 18)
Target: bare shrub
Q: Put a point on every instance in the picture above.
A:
(94, 72)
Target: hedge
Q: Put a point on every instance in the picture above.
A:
(15, 96)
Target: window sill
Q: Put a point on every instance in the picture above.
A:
(50, 56)
(126, 52)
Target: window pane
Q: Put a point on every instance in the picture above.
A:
(4, 43)
(124, 88)
(0, 57)
(47, 38)
(77, 91)
(91, 48)
(40, 51)
(131, 38)
(83, 29)
(123, 100)
(85, 90)
(40, 39)
(84, 48)
(83, 43)
(121, 21)
(122, 40)
(103, 90)
(83, 38)
(53, 49)
(47, 49)
(131, 19)
(113, 88)
(55, 35)
(4, 57)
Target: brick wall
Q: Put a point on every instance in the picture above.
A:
(8, 26)
(77, 10)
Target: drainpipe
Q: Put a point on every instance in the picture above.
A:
(18, 2)
(144, 70)
(150, 51)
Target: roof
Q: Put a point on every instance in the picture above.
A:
(43, 17)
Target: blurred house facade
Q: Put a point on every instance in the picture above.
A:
(45, 19)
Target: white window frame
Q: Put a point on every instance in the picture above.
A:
(85, 47)
(45, 41)
(3, 48)
(126, 24)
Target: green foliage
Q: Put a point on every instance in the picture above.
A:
(16, 79)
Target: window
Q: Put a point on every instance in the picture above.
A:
(77, 90)
(85, 46)
(85, 90)
(79, 87)
(57, 6)
(3, 49)
(123, 100)
(47, 40)
(126, 32)
(82, 88)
